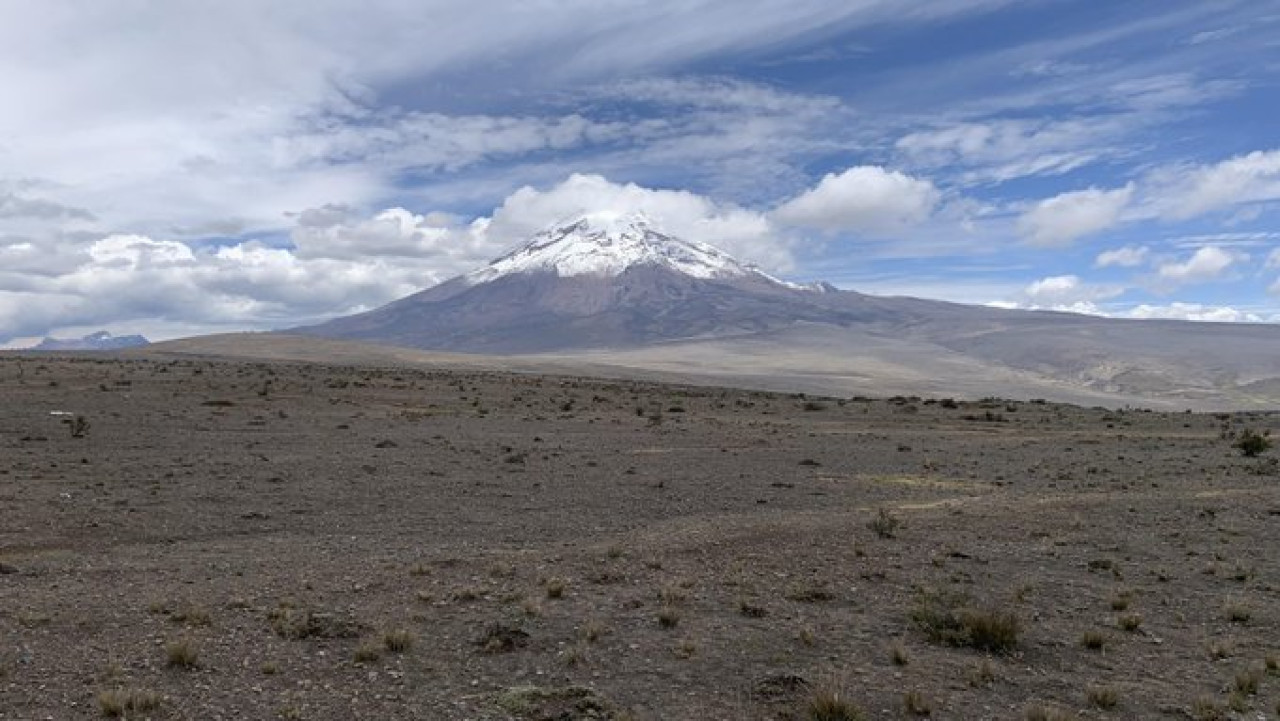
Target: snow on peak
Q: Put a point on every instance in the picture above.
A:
(608, 243)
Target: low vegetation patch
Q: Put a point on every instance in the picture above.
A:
(1252, 443)
(830, 702)
(125, 702)
(952, 619)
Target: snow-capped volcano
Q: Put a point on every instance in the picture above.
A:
(608, 244)
(596, 280)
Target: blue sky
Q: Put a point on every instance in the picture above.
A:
(188, 167)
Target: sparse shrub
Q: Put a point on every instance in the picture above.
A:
(668, 617)
(885, 524)
(1251, 443)
(182, 654)
(122, 702)
(297, 624)
(1207, 708)
(1042, 712)
(367, 652)
(751, 610)
(898, 653)
(555, 587)
(1120, 601)
(984, 674)
(1103, 696)
(502, 637)
(685, 650)
(1130, 622)
(467, 594)
(592, 631)
(672, 594)
(809, 591)
(397, 640)
(950, 618)
(1093, 640)
(192, 616)
(575, 655)
(1238, 613)
(1247, 680)
(914, 703)
(830, 702)
(1272, 663)
(1220, 648)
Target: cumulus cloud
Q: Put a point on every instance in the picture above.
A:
(1207, 263)
(747, 234)
(1065, 292)
(863, 199)
(1063, 218)
(339, 261)
(1130, 256)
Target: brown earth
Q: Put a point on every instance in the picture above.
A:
(237, 540)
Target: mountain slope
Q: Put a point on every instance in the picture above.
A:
(615, 291)
(589, 283)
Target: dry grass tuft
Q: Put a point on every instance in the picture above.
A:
(397, 640)
(898, 653)
(1247, 680)
(182, 654)
(1130, 622)
(915, 704)
(1207, 708)
(1093, 640)
(124, 702)
(1104, 696)
(192, 615)
(1043, 712)
(830, 702)
(885, 524)
(950, 618)
(555, 587)
(668, 617)
(367, 652)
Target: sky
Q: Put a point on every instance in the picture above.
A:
(184, 167)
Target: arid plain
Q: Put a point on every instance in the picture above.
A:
(189, 538)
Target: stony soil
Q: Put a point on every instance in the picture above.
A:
(231, 540)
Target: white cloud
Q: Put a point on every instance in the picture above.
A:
(1065, 292)
(998, 150)
(1273, 258)
(744, 233)
(1064, 218)
(1207, 263)
(863, 199)
(341, 262)
(1194, 311)
(1130, 256)
(1184, 192)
